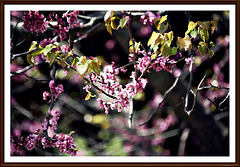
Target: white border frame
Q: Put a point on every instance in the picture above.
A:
(148, 159)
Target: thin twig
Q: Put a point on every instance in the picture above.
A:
(188, 88)
(183, 140)
(22, 71)
(163, 98)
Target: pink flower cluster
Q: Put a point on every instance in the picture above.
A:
(34, 22)
(64, 143)
(72, 19)
(61, 28)
(55, 90)
(109, 83)
(149, 17)
(32, 141)
(54, 116)
(158, 64)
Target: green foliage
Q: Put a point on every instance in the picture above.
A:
(31, 57)
(184, 43)
(191, 26)
(158, 22)
(115, 147)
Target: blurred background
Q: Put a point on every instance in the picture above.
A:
(170, 132)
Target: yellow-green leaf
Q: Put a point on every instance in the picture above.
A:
(82, 68)
(214, 27)
(165, 50)
(34, 43)
(109, 29)
(204, 34)
(123, 22)
(194, 33)
(168, 37)
(211, 44)
(202, 48)
(191, 26)
(153, 38)
(31, 59)
(94, 64)
(69, 54)
(204, 25)
(163, 27)
(184, 43)
(211, 53)
(159, 21)
(113, 25)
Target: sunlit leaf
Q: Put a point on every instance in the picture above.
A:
(211, 44)
(165, 50)
(214, 27)
(123, 22)
(204, 34)
(168, 37)
(82, 68)
(113, 24)
(202, 48)
(159, 21)
(184, 43)
(30, 59)
(94, 64)
(211, 53)
(191, 26)
(194, 33)
(34, 43)
(153, 38)
(109, 29)
(48, 48)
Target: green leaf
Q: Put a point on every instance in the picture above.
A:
(74, 61)
(159, 21)
(204, 25)
(204, 34)
(82, 68)
(211, 44)
(153, 38)
(184, 43)
(214, 27)
(34, 43)
(211, 53)
(191, 26)
(194, 33)
(113, 24)
(202, 48)
(165, 50)
(51, 56)
(163, 28)
(173, 51)
(48, 48)
(94, 64)
(109, 29)
(168, 37)
(37, 52)
(123, 22)
(31, 59)
(155, 48)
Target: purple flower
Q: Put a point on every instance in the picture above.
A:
(34, 22)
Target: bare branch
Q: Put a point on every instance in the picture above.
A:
(183, 140)
(22, 71)
(163, 98)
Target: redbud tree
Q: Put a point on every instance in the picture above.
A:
(119, 83)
